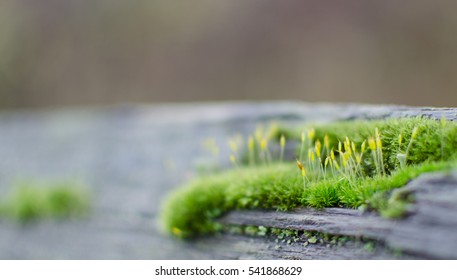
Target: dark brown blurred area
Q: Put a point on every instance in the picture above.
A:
(84, 52)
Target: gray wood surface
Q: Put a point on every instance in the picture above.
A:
(133, 156)
(428, 232)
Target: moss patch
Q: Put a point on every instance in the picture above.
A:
(31, 201)
(192, 209)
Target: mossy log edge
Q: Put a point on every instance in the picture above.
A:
(428, 232)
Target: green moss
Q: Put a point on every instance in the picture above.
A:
(436, 141)
(30, 201)
(279, 186)
(192, 209)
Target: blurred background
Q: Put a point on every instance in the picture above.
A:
(83, 52)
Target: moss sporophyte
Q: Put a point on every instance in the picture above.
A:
(343, 164)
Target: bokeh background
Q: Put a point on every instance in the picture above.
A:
(84, 52)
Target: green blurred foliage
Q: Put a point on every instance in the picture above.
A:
(31, 200)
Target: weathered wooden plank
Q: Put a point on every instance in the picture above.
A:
(230, 246)
(336, 221)
(428, 232)
(129, 156)
(433, 113)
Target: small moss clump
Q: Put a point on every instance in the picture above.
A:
(32, 201)
(339, 172)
